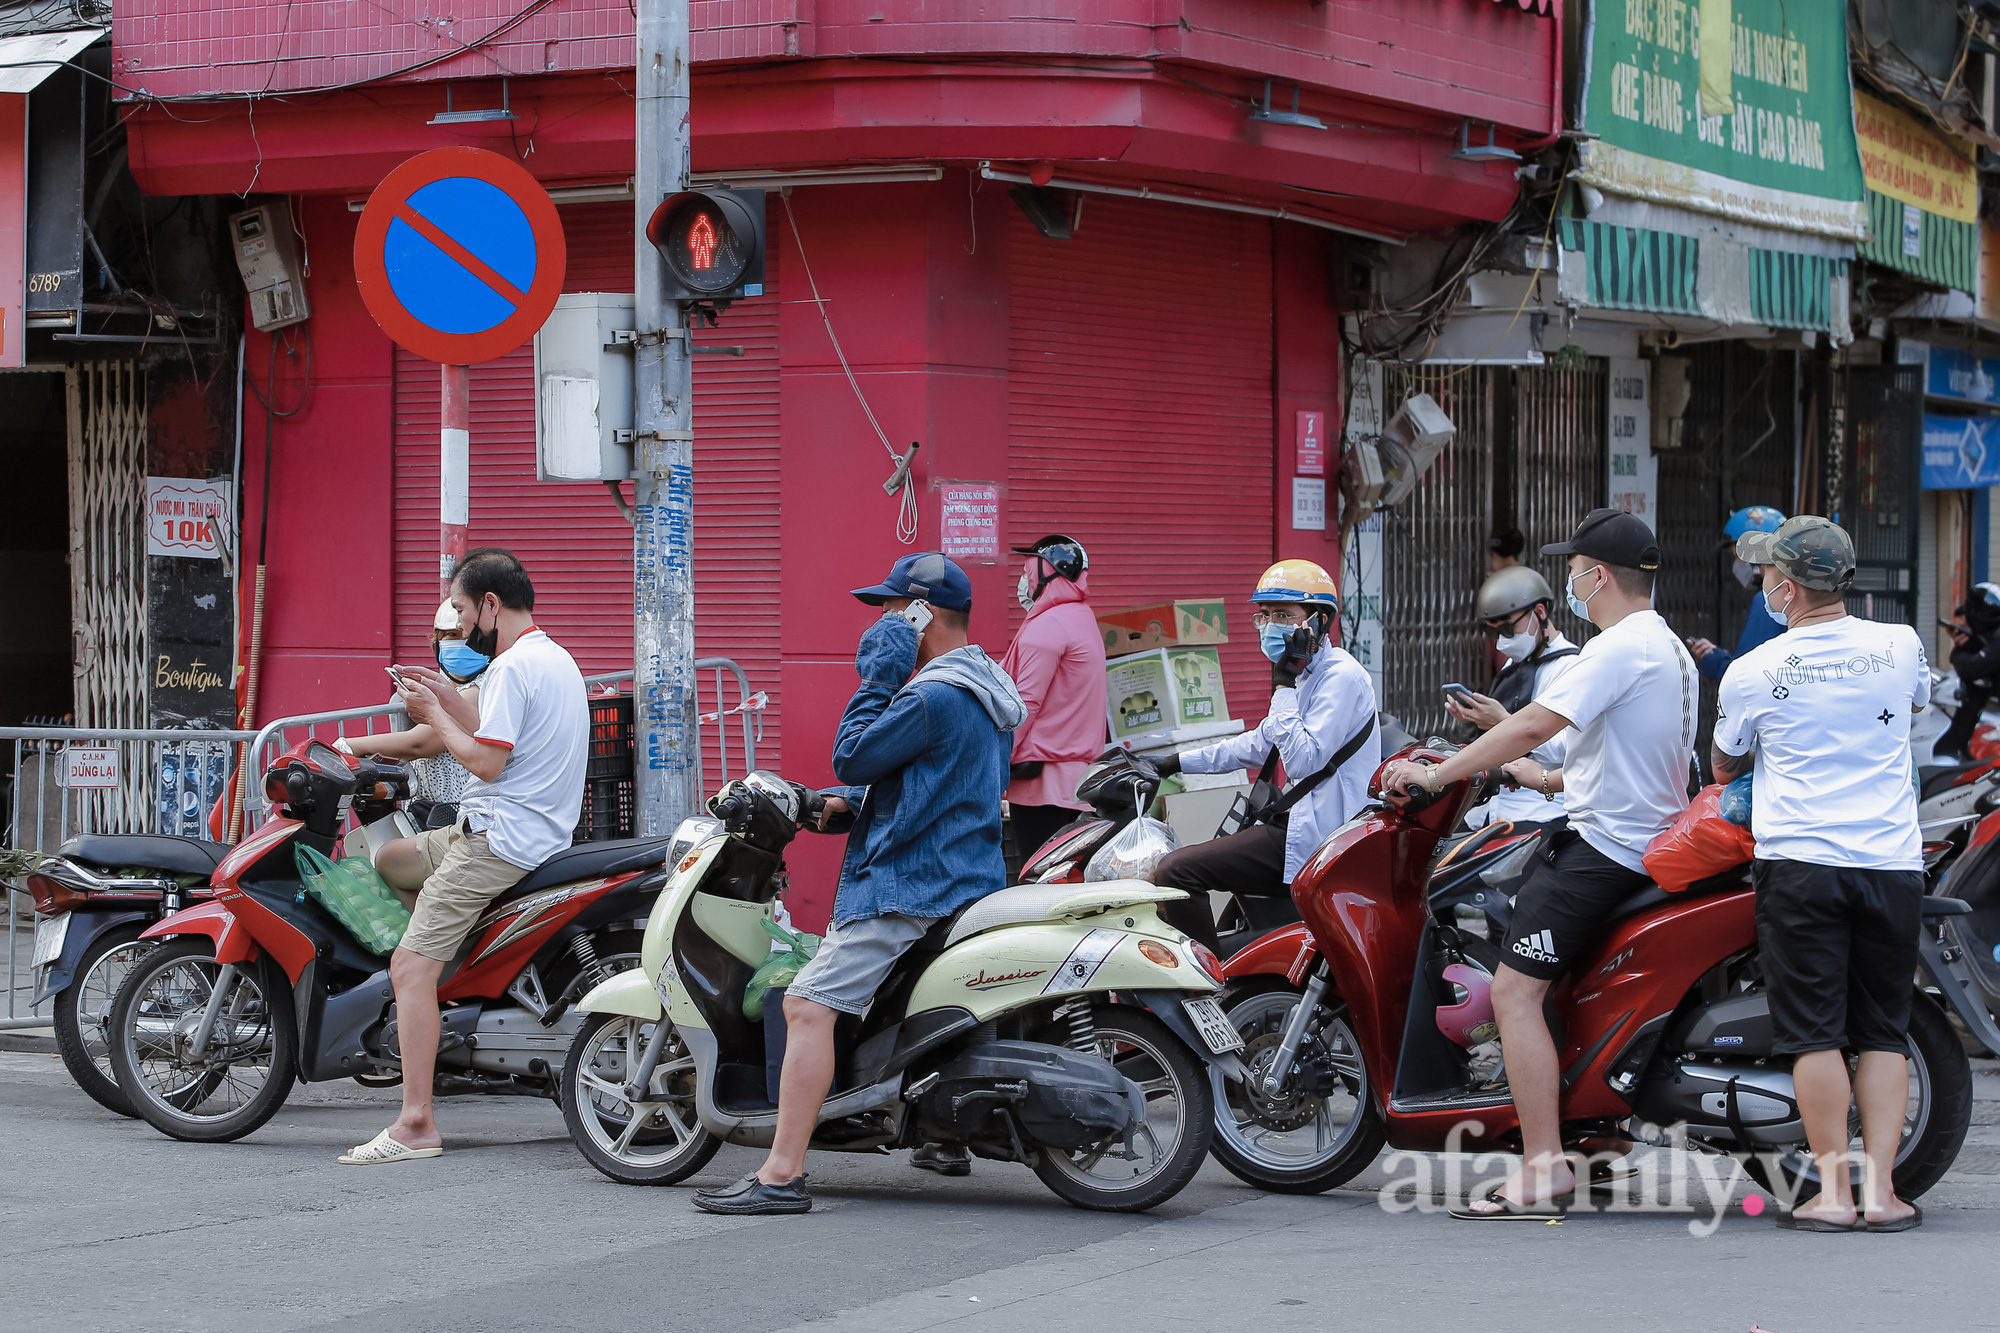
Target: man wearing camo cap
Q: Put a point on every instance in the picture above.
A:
(1823, 711)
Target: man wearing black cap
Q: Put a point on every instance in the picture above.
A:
(923, 747)
(1631, 696)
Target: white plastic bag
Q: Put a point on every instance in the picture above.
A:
(1133, 853)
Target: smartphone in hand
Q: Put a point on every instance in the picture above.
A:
(918, 613)
(1455, 691)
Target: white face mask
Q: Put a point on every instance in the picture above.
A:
(1024, 592)
(1515, 647)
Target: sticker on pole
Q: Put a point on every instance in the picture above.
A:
(87, 766)
(459, 255)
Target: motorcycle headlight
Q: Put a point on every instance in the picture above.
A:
(692, 833)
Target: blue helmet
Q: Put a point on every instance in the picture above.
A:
(1752, 518)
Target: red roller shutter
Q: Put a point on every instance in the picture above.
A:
(573, 541)
(1139, 408)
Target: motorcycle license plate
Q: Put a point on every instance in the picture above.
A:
(1216, 1029)
(50, 932)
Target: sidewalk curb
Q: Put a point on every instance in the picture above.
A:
(34, 1040)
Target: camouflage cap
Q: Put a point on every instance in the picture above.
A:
(1754, 547)
(1813, 551)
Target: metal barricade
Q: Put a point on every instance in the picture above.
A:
(68, 780)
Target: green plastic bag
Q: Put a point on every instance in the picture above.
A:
(357, 897)
(779, 967)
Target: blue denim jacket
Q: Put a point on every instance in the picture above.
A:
(934, 761)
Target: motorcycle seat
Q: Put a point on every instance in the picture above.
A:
(592, 860)
(1653, 895)
(1027, 903)
(154, 851)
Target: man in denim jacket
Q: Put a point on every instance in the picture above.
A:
(926, 756)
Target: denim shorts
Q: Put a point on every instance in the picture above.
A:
(855, 959)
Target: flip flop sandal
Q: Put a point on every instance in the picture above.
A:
(1549, 1210)
(385, 1148)
(1910, 1223)
(1794, 1222)
(1602, 1176)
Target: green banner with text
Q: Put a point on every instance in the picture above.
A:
(1784, 153)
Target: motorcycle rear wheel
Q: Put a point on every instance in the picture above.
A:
(663, 1145)
(1244, 1124)
(155, 1011)
(1142, 1048)
(1934, 1127)
(82, 1006)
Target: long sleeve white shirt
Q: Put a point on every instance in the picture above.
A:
(1308, 723)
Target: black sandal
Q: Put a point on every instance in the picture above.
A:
(1549, 1210)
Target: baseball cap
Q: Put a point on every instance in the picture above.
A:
(927, 575)
(1813, 551)
(1754, 547)
(1613, 536)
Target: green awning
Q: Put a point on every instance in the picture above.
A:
(1946, 250)
(1793, 291)
(1632, 268)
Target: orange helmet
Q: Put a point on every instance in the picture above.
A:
(1297, 581)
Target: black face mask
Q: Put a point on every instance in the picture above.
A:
(485, 642)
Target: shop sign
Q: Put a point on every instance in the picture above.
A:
(90, 766)
(1755, 124)
(969, 520)
(1309, 504)
(1311, 441)
(1634, 472)
(1950, 373)
(1908, 162)
(186, 517)
(1961, 453)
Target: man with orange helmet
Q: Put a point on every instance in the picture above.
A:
(1321, 724)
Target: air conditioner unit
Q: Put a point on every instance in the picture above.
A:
(1361, 479)
(267, 255)
(1413, 439)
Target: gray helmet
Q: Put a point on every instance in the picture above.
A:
(1511, 591)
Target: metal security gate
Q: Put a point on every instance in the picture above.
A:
(1559, 459)
(1881, 470)
(1434, 552)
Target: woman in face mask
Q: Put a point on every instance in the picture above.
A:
(440, 779)
(1513, 609)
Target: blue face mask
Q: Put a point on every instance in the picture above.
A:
(1275, 640)
(457, 657)
(1580, 606)
(1776, 614)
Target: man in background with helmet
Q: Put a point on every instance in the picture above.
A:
(1825, 718)
(1513, 608)
(1750, 528)
(1057, 662)
(1322, 709)
(1976, 659)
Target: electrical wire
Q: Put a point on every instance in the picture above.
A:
(906, 517)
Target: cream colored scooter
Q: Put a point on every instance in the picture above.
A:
(1063, 1026)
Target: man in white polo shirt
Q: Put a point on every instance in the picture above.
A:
(526, 744)
(1823, 711)
(1631, 696)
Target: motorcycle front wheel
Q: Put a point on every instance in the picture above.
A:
(1935, 1119)
(82, 1007)
(245, 1071)
(655, 1142)
(1170, 1146)
(1319, 1128)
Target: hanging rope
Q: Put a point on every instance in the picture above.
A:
(899, 479)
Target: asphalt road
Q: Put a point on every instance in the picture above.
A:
(105, 1224)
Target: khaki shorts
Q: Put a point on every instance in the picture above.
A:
(460, 878)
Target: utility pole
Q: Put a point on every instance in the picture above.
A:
(666, 744)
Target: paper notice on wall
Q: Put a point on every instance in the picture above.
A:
(969, 520)
(1309, 504)
(188, 518)
(1635, 473)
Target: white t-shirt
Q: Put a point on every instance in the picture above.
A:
(1525, 803)
(1828, 708)
(1631, 698)
(532, 701)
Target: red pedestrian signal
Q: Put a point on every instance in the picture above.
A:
(712, 242)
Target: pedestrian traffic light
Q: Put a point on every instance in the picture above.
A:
(713, 244)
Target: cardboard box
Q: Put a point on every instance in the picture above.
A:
(1164, 689)
(1174, 624)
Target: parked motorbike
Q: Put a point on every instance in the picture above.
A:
(1062, 1026)
(1949, 793)
(263, 986)
(92, 900)
(1384, 1032)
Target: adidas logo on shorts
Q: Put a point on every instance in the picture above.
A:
(1540, 946)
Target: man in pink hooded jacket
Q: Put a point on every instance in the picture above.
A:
(1057, 660)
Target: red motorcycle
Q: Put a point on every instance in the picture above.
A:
(263, 986)
(1375, 1026)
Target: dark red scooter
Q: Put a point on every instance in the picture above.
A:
(1380, 1029)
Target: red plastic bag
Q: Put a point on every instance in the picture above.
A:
(1699, 844)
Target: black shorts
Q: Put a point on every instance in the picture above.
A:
(1840, 954)
(1562, 904)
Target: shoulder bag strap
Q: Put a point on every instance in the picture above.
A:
(1304, 786)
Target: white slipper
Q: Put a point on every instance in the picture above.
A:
(384, 1148)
